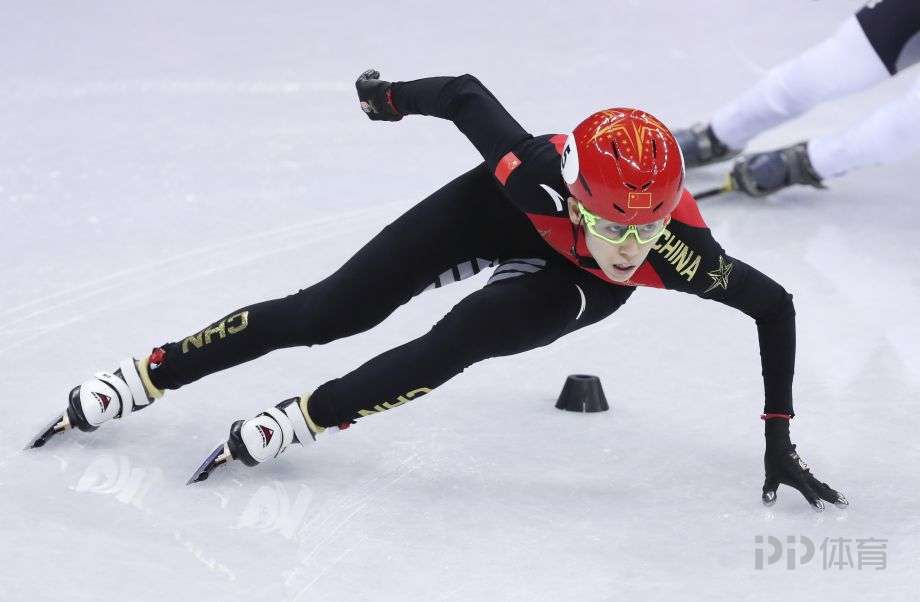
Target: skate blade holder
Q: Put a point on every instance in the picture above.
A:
(582, 393)
(56, 426)
(220, 456)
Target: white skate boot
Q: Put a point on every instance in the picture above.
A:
(106, 396)
(265, 436)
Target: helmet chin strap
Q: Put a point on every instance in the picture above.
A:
(584, 261)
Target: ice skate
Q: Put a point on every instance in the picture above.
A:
(107, 395)
(700, 146)
(264, 436)
(761, 174)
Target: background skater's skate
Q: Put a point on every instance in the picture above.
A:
(760, 174)
(700, 146)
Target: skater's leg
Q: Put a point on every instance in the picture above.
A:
(889, 134)
(459, 229)
(840, 65)
(509, 316)
(455, 226)
(525, 305)
(883, 38)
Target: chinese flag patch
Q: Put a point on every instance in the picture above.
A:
(639, 200)
(505, 166)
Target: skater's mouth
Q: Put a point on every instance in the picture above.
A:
(622, 267)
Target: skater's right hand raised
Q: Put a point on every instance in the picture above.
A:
(376, 97)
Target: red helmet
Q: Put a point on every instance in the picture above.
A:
(625, 166)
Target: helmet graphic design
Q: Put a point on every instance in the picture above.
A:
(624, 165)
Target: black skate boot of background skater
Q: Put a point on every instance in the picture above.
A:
(700, 146)
(761, 174)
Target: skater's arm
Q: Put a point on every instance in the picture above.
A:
(767, 302)
(761, 298)
(463, 100)
(690, 259)
(736, 284)
(470, 105)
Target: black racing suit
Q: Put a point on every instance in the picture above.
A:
(508, 211)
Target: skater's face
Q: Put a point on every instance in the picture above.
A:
(618, 261)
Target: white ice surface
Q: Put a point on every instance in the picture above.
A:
(162, 163)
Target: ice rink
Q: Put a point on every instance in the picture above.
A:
(165, 163)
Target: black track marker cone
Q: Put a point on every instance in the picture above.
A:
(582, 393)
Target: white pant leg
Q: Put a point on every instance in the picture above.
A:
(890, 133)
(840, 65)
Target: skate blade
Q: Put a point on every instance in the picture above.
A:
(727, 186)
(58, 425)
(220, 455)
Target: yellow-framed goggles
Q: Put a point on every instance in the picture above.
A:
(616, 234)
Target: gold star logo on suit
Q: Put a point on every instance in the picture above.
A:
(720, 275)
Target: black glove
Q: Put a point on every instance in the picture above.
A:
(376, 97)
(783, 465)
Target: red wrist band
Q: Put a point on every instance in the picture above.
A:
(769, 416)
(390, 101)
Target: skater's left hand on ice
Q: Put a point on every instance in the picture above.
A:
(783, 465)
(375, 96)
